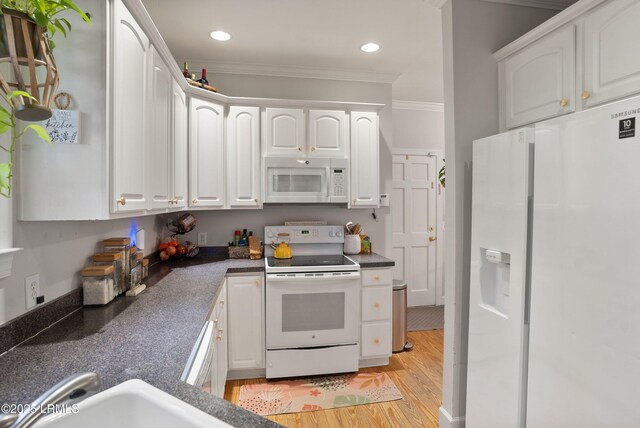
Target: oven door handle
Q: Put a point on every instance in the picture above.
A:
(304, 277)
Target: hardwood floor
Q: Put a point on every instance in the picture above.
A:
(417, 374)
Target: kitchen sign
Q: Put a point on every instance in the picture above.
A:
(63, 126)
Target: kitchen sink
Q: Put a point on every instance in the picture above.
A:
(132, 404)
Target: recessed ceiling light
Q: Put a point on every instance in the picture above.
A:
(370, 47)
(221, 36)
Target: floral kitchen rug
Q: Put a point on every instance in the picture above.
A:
(317, 393)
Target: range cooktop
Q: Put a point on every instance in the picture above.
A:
(312, 263)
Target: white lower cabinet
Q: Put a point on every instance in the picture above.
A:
(376, 314)
(246, 322)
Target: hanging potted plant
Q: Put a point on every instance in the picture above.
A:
(29, 87)
(26, 31)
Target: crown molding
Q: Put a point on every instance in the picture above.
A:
(294, 71)
(437, 3)
(417, 105)
(540, 4)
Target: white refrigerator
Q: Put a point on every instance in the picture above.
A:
(577, 311)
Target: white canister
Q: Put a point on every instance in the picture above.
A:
(352, 244)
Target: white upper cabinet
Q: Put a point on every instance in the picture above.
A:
(284, 132)
(179, 150)
(539, 81)
(328, 135)
(159, 143)
(611, 62)
(243, 157)
(365, 181)
(206, 154)
(130, 80)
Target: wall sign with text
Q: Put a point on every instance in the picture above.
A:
(63, 126)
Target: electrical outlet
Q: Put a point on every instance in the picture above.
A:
(202, 239)
(32, 290)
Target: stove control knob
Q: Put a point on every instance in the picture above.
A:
(331, 233)
(338, 233)
(269, 234)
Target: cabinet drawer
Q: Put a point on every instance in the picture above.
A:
(376, 303)
(377, 277)
(375, 340)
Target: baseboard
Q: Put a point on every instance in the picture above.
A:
(448, 421)
(374, 362)
(235, 374)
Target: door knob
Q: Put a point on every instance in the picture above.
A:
(122, 200)
(585, 95)
(433, 238)
(564, 103)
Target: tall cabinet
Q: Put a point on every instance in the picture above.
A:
(131, 81)
(365, 175)
(243, 157)
(206, 160)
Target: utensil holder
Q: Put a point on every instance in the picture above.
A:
(352, 244)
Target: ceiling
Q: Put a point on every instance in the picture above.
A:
(312, 38)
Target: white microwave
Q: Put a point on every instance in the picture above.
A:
(306, 180)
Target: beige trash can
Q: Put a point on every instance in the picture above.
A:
(399, 323)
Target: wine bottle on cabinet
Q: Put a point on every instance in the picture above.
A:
(185, 72)
(203, 80)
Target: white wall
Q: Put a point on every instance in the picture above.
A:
(58, 251)
(472, 31)
(220, 225)
(418, 125)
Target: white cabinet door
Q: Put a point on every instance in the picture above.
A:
(375, 339)
(539, 81)
(365, 183)
(159, 144)
(246, 322)
(130, 104)
(284, 135)
(611, 62)
(206, 148)
(243, 157)
(179, 147)
(221, 365)
(328, 133)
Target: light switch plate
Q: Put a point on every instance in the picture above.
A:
(202, 239)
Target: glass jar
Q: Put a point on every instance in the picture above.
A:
(145, 268)
(117, 261)
(120, 245)
(97, 285)
(136, 276)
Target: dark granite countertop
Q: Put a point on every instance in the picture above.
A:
(147, 337)
(372, 260)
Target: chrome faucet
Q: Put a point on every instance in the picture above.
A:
(69, 391)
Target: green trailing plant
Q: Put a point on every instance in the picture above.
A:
(46, 14)
(8, 123)
(441, 175)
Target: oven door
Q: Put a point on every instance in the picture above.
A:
(297, 180)
(312, 309)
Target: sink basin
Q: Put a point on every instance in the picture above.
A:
(132, 404)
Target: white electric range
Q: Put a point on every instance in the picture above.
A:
(312, 303)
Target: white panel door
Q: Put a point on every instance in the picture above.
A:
(584, 348)
(284, 135)
(539, 80)
(414, 226)
(364, 188)
(159, 145)
(131, 56)
(246, 322)
(612, 37)
(180, 161)
(497, 330)
(243, 157)
(328, 134)
(206, 154)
